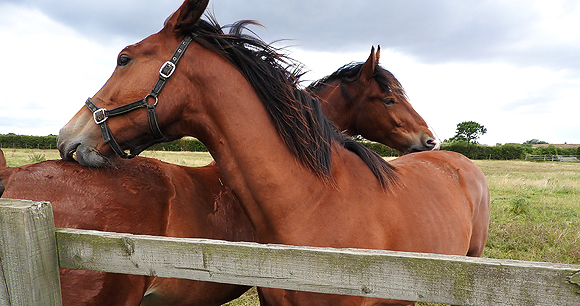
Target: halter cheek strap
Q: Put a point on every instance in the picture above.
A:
(100, 115)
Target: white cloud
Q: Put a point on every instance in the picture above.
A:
(48, 71)
(513, 67)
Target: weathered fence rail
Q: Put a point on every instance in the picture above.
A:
(375, 273)
(561, 158)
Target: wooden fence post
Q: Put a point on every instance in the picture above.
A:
(28, 257)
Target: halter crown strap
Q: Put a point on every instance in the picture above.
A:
(168, 67)
(100, 115)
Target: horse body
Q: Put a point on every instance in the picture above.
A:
(305, 185)
(139, 196)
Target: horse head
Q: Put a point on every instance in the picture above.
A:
(146, 73)
(366, 99)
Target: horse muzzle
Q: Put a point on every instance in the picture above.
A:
(427, 144)
(83, 154)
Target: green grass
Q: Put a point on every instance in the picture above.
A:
(18, 157)
(535, 207)
(250, 298)
(535, 211)
(191, 159)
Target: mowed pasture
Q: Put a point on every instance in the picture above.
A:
(535, 206)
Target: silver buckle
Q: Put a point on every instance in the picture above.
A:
(169, 65)
(103, 115)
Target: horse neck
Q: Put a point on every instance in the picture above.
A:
(335, 107)
(255, 162)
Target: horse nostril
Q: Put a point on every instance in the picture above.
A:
(67, 150)
(430, 143)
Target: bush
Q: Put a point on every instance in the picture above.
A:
(380, 148)
(470, 150)
(510, 151)
(552, 150)
(184, 144)
(549, 150)
(193, 145)
(27, 142)
(478, 151)
(35, 158)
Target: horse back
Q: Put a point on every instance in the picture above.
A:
(467, 181)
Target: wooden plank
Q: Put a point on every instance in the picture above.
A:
(384, 274)
(28, 254)
(4, 297)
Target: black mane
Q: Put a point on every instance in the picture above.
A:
(351, 72)
(296, 114)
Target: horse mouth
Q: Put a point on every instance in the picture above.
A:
(429, 144)
(435, 147)
(84, 155)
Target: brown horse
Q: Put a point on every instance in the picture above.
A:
(409, 132)
(140, 196)
(50, 178)
(366, 99)
(306, 184)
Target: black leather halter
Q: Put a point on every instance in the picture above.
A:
(100, 115)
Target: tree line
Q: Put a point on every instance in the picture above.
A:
(469, 148)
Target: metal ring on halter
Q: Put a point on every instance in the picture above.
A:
(153, 96)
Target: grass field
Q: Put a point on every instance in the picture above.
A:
(17, 157)
(535, 206)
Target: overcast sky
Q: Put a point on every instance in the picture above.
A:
(512, 66)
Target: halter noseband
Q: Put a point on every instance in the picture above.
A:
(100, 115)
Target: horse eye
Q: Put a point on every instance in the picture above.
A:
(389, 101)
(123, 60)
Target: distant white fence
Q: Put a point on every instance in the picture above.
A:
(32, 250)
(561, 158)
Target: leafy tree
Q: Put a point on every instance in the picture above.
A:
(468, 131)
(534, 141)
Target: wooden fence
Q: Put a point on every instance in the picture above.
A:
(32, 250)
(561, 158)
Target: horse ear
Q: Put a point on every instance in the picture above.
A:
(188, 15)
(368, 68)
